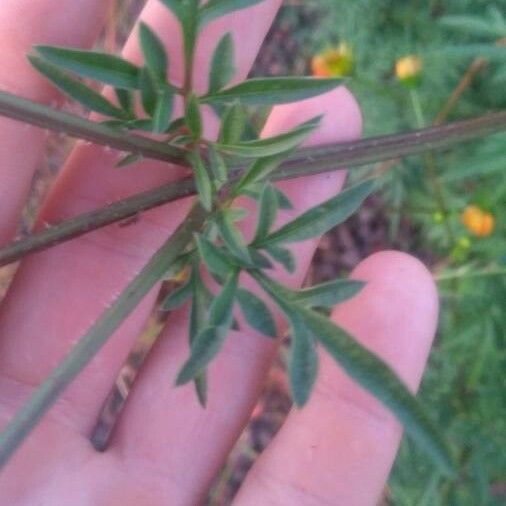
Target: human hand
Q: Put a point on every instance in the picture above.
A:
(167, 450)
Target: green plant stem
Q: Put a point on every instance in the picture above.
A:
(309, 162)
(465, 274)
(321, 159)
(430, 164)
(49, 391)
(49, 118)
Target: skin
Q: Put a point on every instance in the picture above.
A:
(167, 450)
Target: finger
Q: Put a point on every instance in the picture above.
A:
(178, 429)
(24, 23)
(68, 287)
(339, 449)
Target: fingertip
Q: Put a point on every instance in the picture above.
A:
(342, 117)
(395, 315)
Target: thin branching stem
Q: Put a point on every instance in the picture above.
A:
(309, 161)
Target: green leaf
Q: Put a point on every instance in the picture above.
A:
(222, 64)
(369, 371)
(202, 181)
(177, 297)
(274, 90)
(474, 25)
(205, 347)
(260, 261)
(176, 6)
(320, 219)
(283, 200)
(258, 172)
(272, 145)
(232, 238)
(209, 342)
(329, 294)
(377, 377)
(76, 89)
(149, 94)
(198, 312)
(267, 212)
(256, 313)
(218, 8)
(193, 117)
(189, 20)
(217, 165)
(302, 361)
(155, 56)
(233, 124)
(198, 315)
(214, 258)
(163, 111)
(283, 256)
(129, 159)
(221, 310)
(126, 100)
(102, 67)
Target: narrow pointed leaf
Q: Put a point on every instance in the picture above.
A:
(232, 238)
(102, 67)
(202, 181)
(272, 145)
(155, 56)
(76, 89)
(176, 6)
(214, 258)
(148, 89)
(126, 100)
(283, 200)
(274, 90)
(260, 261)
(302, 362)
(163, 111)
(193, 117)
(222, 64)
(322, 218)
(205, 347)
(257, 313)
(178, 297)
(217, 165)
(258, 172)
(209, 342)
(220, 312)
(233, 124)
(369, 371)
(267, 212)
(197, 321)
(329, 294)
(218, 8)
(374, 375)
(283, 256)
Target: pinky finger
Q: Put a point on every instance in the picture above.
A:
(340, 448)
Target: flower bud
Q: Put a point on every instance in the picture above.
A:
(478, 222)
(409, 70)
(334, 62)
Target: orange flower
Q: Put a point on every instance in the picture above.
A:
(409, 69)
(334, 62)
(478, 222)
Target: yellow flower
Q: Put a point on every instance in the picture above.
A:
(478, 222)
(409, 69)
(334, 62)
